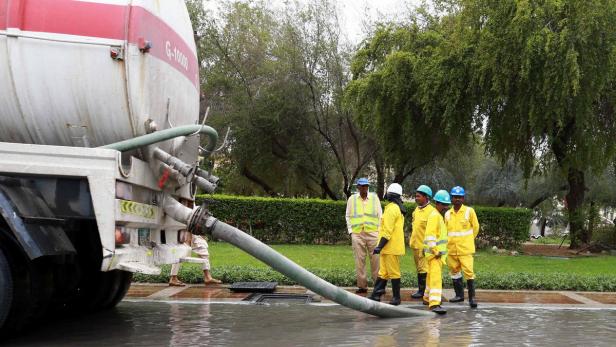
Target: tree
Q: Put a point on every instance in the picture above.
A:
(320, 61)
(500, 184)
(545, 83)
(275, 77)
(399, 92)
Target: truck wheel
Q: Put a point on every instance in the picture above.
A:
(92, 291)
(112, 279)
(6, 289)
(123, 280)
(31, 291)
(103, 290)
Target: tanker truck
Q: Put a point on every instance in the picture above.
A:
(99, 148)
(76, 220)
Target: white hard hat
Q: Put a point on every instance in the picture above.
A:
(395, 188)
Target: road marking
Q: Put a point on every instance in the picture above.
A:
(167, 292)
(580, 298)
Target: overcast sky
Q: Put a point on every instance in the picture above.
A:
(354, 14)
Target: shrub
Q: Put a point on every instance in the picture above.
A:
(605, 236)
(346, 278)
(314, 221)
(504, 227)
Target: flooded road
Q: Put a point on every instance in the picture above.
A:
(151, 323)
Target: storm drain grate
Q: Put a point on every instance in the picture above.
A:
(273, 298)
(253, 287)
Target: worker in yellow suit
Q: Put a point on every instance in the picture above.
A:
(423, 194)
(435, 250)
(391, 245)
(462, 229)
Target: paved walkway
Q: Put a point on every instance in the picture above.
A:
(516, 297)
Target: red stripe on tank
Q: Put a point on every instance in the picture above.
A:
(68, 17)
(81, 18)
(167, 45)
(3, 16)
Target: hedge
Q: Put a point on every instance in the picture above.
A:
(314, 221)
(346, 278)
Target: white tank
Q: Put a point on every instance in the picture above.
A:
(90, 73)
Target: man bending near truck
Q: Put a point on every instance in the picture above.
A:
(200, 247)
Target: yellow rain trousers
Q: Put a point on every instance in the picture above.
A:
(416, 241)
(435, 249)
(462, 228)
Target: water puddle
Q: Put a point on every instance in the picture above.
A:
(172, 323)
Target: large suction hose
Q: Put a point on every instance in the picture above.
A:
(201, 222)
(167, 134)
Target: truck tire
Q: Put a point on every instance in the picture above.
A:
(92, 291)
(31, 286)
(6, 289)
(104, 290)
(123, 279)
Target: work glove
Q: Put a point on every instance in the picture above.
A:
(436, 252)
(382, 243)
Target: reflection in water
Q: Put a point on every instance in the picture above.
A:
(225, 324)
(184, 331)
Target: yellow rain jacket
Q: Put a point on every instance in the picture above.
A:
(391, 228)
(420, 221)
(462, 228)
(435, 242)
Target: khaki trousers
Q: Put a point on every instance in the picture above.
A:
(199, 245)
(363, 245)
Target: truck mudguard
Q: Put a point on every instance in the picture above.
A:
(28, 216)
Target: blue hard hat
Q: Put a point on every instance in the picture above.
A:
(363, 182)
(425, 189)
(443, 197)
(457, 191)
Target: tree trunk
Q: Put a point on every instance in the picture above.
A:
(258, 181)
(347, 187)
(399, 177)
(380, 176)
(543, 223)
(327, 190)
(574, 200)
(593, 220)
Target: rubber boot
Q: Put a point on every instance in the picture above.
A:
(379, 289)
(458, 286)
(438, 309)
(471, 293)
(421, 284)
(395, 287)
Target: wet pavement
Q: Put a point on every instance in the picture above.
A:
(197, 315)
(218, 293)
(144, 322)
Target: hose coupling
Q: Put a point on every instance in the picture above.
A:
(201, 222)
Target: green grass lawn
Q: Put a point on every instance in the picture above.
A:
(551, 240)
(335, 264)
(341, 257)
